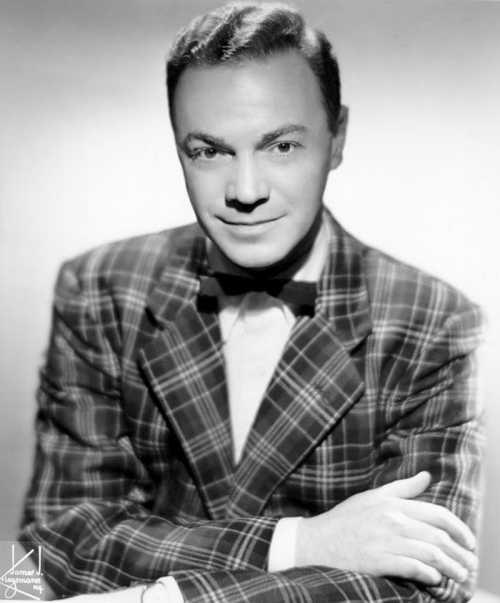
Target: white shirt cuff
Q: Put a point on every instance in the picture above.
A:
(283, 545)
(173, 593)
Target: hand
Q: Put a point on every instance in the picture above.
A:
(383, 532)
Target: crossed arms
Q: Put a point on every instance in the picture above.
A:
(89, 508)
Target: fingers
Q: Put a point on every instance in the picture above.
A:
(429, 513)
(441, 518)
(413, 569)
(434, 557)
(409, 487)
(430, 535)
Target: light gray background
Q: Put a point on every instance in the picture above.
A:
(86, 156)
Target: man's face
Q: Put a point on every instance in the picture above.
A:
(256, 150)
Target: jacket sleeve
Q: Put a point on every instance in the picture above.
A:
(89, 503)
(313, 584)
(432, 422)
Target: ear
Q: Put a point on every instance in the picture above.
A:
(338, 141)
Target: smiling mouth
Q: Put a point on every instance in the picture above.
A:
(249, 224)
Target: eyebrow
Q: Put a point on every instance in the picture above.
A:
(220, 143)
(283, 131)
(213, 141)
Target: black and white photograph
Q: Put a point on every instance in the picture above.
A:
(250, 293)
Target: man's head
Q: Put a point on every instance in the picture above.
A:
(243, 30)
(256, 131)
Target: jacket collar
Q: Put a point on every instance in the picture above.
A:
(343, 298)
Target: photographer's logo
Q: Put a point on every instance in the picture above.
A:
(20, 571)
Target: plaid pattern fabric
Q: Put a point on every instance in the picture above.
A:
(134, 477)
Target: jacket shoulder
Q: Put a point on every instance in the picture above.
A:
(410, 301)
(131, 262)
(104, 291)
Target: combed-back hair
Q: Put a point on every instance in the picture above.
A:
(240, 31)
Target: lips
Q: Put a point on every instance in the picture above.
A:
(247, 223)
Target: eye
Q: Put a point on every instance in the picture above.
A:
(206, 154)
(284, 148)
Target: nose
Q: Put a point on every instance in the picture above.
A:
(246, 184)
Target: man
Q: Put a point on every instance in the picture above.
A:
(257, 407)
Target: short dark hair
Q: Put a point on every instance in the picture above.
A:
(247, 30)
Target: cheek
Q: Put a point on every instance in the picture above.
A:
(205, 190)
(304, 188)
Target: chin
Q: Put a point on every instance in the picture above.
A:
(254, 259)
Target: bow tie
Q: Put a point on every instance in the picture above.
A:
(300, 295)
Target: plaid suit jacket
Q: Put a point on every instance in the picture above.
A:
(134, 477)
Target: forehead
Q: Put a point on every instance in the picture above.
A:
(254, 94)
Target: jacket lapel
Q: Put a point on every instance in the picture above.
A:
(315, 383)
(183, 362)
